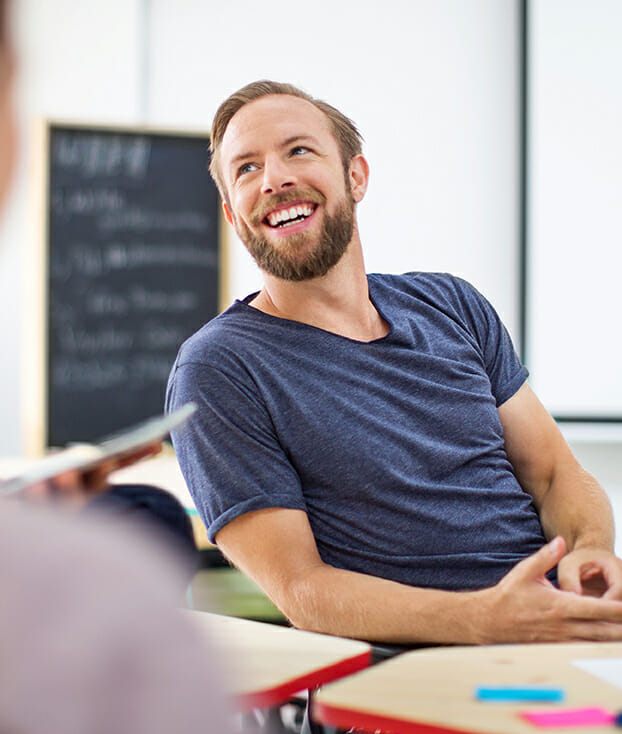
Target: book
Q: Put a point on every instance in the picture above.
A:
(84, 457)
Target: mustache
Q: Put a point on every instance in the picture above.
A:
(262, 210)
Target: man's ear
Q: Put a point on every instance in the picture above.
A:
(358, 175)
(227, 213)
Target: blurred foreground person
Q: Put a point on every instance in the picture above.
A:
(90, 639)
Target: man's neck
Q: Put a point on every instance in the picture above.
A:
(337, 302)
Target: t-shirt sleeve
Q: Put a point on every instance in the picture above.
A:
(503, 365)
(229, 453)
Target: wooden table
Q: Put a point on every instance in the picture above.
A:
(266, 664)
(431, 691)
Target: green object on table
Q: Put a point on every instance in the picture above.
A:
(228, 591)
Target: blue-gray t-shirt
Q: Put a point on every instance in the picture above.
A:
(393, 448)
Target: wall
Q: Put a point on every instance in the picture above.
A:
(575, 223)
(431, 83)
(77, 61)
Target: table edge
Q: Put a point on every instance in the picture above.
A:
(370, 722)
(283, 692)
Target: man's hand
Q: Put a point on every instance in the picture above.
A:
(591, 572)
(526, 607)
(74, 488)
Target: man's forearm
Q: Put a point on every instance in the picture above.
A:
(522, 607)
(570, 501)
(276, 548)
(349, 604)
(577, 508)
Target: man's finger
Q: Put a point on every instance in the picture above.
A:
(614, 592)
(68, 481)
(543, 561)
(592, 573)
(95, 480)
(590, 608)
(129, 459)
(569, 579)
(606, 577)
(599, 631)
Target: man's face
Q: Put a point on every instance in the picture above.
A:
(288, 197)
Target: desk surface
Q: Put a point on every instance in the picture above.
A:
(267, 664)
(431, 691)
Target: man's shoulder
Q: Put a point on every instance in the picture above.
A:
(444, 287)
(223, 335)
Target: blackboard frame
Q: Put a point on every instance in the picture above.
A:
(35, 390)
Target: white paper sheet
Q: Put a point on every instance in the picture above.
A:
(607, 669)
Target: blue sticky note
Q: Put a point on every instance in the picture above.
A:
(519, 694)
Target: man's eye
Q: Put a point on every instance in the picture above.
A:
(300, 150)
(246, 168)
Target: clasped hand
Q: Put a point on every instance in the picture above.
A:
(526, 607)
(591, 572)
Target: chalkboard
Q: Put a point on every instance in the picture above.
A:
(132, 242)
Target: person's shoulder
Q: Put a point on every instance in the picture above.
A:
(222, 336)
(428, 285)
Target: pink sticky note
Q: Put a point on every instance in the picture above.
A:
(592, 716)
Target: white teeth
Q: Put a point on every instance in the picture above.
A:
(284, 215)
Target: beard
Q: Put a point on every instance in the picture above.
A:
(296, 258)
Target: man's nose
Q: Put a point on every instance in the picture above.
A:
(276, 176)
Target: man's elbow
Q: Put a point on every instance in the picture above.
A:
(302, 601)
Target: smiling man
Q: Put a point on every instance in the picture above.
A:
(367, 448)
(277, 228)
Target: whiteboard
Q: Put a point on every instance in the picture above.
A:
(574, 206)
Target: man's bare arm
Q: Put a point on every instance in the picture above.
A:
(276, 548)
(570, 501)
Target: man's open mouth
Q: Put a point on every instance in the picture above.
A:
(290, 215)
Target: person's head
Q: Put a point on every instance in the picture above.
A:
(289, 171)
(348, 138)
(7, 116)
